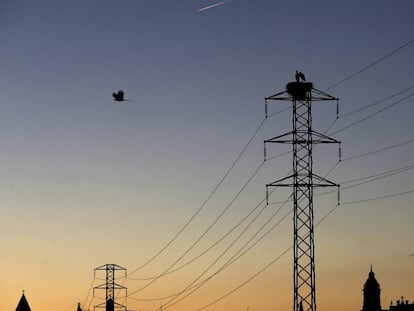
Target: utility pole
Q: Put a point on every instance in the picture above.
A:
(301, 94)
(110, 286)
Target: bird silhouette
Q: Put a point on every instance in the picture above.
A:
(299, 76)
(119, 96)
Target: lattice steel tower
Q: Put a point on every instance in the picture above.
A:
(303, 181)
(110, 286)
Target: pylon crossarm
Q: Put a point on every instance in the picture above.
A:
(275, 96)
(278, 183)
(323, 138)
(277, 139)
(103, 267)
(317, 138)
(323, 182)
(102, 286)
(302, 182)
(117, 286)
(110, 267)
(318, 95)
(117, 305)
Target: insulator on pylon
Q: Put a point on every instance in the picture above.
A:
(267, 196)
(337, 109)
(339, 195)
(264, 152)
(265, 108)
(340, 152)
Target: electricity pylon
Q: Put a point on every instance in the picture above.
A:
(110, 286)
(303, 181)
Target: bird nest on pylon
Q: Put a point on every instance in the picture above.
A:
(299, 90)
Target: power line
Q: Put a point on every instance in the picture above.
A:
(391, 172)
(204, 233)
(210, 247)
(210, 195)
(218, 241)
(278, 155)
(376, 102)
(221, 255)
(287, 250)
(248, 280)
(239, 253)
(373, 114)
(190, 286)
(382, 174)
(278, 112)
(372, 178)
(379, 198)
(362, 70)
(368, 179)
(366, 107)
(243, 250)
(89, 291)
(405, 45)
(379, 150)
(205, 201)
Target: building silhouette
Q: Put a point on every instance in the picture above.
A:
(372, 297)
(372, 294)
(402, 305)
(23, 305)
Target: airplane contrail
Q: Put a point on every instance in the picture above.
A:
(213, 5)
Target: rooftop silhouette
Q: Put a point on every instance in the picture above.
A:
(23, 305)
(372, 297)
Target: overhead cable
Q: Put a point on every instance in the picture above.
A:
(204, 202)
(401, 47)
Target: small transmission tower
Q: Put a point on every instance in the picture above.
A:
(303, 181)
(110, 286)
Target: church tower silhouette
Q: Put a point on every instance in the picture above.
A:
(23, 305)
(372, 294)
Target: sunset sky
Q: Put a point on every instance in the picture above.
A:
(86, 181)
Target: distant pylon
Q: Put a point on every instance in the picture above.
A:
(303, 180)
(110, 286)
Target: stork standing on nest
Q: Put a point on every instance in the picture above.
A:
(299, 76)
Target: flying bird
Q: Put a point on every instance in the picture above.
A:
(119, 97)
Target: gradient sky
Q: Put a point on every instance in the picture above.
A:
(86, 181)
